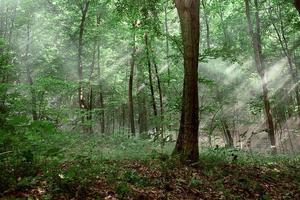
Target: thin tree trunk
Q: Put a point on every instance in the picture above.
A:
(285, 48)
(101, 98)
(123, 117)
(160, 101)
(151, 81)
(206, 19)
(227, 134)
(187, 142)
(81, 100)
(12, 23)
(142, 106)
(256, 43)
(29, 78)
(167, 40)
(130, 96)
(90, 96)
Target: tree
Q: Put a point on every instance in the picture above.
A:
(257, 49)
(83, 9)
(297, 5)
(187, 141)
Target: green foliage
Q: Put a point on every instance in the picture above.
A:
(134, 178)
(123, 189)
(47, 141)
(195, 182)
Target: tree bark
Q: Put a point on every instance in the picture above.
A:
(187, 142)
(256, 43)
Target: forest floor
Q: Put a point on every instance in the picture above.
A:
(147, 174)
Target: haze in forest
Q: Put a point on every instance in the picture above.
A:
(186, 82)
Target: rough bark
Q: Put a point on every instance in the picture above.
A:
(187, 142)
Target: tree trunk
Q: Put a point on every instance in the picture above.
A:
(227, 134)
(206, 19)
(102, 113)
(81, 99)
(256, 43)
(167, 40)
(187, 142)
(29, 78)
(151, 81)
(285, 48)
(142, 104)
(101, 98)
(130, 85)
(90, 95)
(297, 5)
(123, 117)
(160, 101)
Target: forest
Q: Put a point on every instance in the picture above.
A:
(149, 99)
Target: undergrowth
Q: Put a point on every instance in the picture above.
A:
(69, 164)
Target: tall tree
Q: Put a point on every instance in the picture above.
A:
(154, 106)
(257, 49)
(130, 84)
(29, 74)
(187, 141)
(83, 9)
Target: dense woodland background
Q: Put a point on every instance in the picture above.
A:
(85, 82)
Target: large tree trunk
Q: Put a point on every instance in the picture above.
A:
(256, 43)
(187, 142)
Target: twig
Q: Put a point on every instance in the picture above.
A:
(7, 152)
